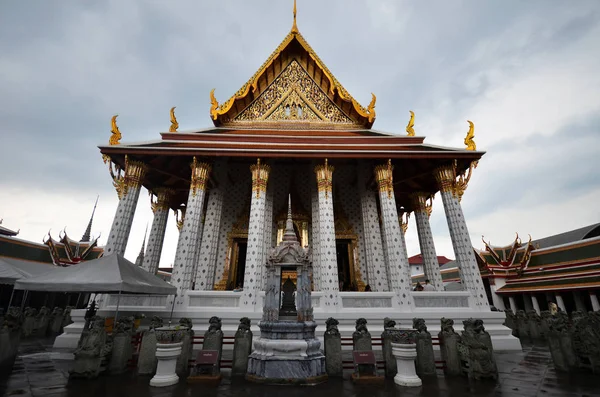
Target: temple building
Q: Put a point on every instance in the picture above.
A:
(293, 130)
(564, 269)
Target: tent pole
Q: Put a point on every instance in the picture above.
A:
(23, 298)
(172, 308)
(117, 311)
(77, 303)
(11, 298)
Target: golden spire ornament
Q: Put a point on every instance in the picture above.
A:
(116, 134)
(174, 123)
(411, 123)
(469, 138)
(294, 26)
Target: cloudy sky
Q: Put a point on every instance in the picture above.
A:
(527, 73)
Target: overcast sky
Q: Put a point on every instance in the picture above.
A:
(527, 73)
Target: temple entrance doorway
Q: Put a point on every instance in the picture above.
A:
(345, 263)
(238, 263)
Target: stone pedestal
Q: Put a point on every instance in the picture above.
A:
(333, 348)
(213, 340)
(121, 353)
(91, 350)
(424, 345)
(242, 348)
(9, 345)
(147, 359)
(405, 355)
(187, 352)
(167, 354)
(387, 338)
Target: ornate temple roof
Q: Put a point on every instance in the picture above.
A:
(7, 232)
(293, 89)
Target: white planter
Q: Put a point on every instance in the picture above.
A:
(405, 355)
(167, 354)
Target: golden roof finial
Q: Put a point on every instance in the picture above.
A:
(469, 138)
(214, 104)
(116, 134)
(174, 123)
(294, 26)
(411, 123)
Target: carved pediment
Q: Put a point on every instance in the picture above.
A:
(293, 96)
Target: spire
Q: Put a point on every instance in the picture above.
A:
(88, 231)
(294, 26)
(140, 258)
(290, 234)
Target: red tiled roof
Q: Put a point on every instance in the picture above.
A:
(418, 260)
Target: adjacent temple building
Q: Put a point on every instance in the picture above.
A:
(293, 129)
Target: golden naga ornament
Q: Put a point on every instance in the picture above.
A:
(115, 138)
(403, 222)
(174, 123)
(179, 217)
(469, 138)
(462, 180)
(411, 123)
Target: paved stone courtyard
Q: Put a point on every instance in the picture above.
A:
(41, 372)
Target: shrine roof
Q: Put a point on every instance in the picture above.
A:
(292, 85)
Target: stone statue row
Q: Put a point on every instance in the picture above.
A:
(574, 342)
(470, 353)
(44, 322)
(528, 326)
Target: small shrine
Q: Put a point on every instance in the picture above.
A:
(287, 350)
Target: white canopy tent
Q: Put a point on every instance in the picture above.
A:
(12, 269)
(108, 274)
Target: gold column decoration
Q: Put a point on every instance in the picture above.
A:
(179, 217)
(469, 141)
(411, 123)
(422, 201)
(449, 181)
(260, 176)
(404, 223)
(199, 177)
(115, 138)
(174, 123)
(163, 197)
(385, 181)
(324, 178)
(132, 177)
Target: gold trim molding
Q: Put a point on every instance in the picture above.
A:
(260, 177)
(163, 198)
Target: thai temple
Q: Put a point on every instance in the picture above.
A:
(293, 130)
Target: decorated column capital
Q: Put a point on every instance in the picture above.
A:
(162, 201)
(200, 172)
(131, 178)
(260, 177)
(385, 179)
(422, 202)
(449, 181)
(324, 177)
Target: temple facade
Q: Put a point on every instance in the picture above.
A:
(293, 130)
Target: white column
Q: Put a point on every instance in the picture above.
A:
(513, 304)
(316, 234)
(459, 233)
(189, 236)
(536, 304)
(207, 260)
(560, 303)
(128, 188)
(268, 234)
(327, 250)
(160, 207)
(431, 265)
(256, 237)
(397, 265)
(594, 299)
(376, 270)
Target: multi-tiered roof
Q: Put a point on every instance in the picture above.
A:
(291, 109)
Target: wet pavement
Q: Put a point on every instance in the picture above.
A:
(41, 372)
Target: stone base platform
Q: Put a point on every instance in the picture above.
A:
(209, 380)
(368, 379)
